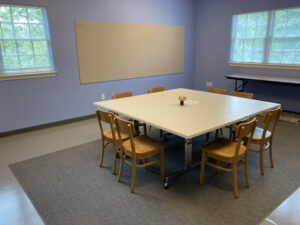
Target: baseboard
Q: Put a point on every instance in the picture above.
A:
(47, 125)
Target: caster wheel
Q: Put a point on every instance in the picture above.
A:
(166, 186)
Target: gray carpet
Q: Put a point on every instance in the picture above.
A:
(68, 187)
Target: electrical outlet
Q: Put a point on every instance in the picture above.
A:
(208, 84)
(102, 96)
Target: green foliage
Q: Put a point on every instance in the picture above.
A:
(249, 36)
(21, 31)
(5, 14)
(42, 61)
(7, 31)
(19, 14)
(25, 47)
(248, 41)
(37, 31)
(35, 15)
(27, 61)
(23, 41)
(11, 62)
(10, 48)
(40, 47)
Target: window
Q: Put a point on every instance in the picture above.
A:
(270, 37)
(25, 41)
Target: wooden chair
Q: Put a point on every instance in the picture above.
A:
(264, 138)
(156, 89)
(121, 95)
(124, 95)
(233, 152)
(109, 136)
(153, 90)
(241, 94)
(217, 91)
(221, 92)
(138, 148)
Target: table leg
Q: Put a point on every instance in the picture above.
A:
(188, 153)
(187, 162)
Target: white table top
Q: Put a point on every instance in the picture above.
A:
(268, 78)
(202, 112)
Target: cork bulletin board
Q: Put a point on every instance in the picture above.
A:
(114, 51)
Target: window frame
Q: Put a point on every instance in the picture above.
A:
(32, 74)
(264, 64)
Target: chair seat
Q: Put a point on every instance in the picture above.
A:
(144, 146)
(108, 134)
(258, 134)
(223, 148)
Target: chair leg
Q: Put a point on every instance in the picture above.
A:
(133, 175)
(261, 158)
(202, 172)
(221, 131)
(207, 136)
(145, 129)
(270, 152)
(114, 161)
(121, 167)
(234, 176)
(102, 153)
(162, 164)
(246, 173)
(217, 134)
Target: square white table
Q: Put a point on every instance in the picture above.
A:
(202, 112)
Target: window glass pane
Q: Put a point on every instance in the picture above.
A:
(42, 61)
(40, 47)
(37, 31)
(249, 36)
(7, 30)
(27, 62)
(25, 48)
(5, 14)
(287, 56)
(275, 56)
(238, 50)
(23, 40)
(297, 43)
(9, 48)
(22, 31)
(285, 37)
(35, 15)
(297, 58)
(10, 62)
(19, 15)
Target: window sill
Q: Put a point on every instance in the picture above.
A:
(17, 76)
(261, 65)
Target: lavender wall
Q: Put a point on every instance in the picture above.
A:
(213, 44)
(25, 103)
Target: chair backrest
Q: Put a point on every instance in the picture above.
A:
(245, 130)
(271, 120)
(217, 91)
(122, 95)
(156, 89)
(241, 94)
(106, 117)
(125, 127)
